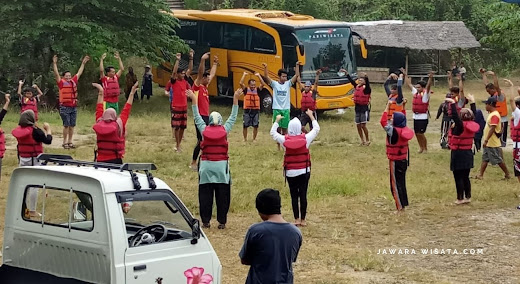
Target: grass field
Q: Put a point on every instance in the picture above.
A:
(350, 207)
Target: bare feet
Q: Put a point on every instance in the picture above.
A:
(467, 200)
(459, 202)
(506, 177)
(298, 222)
(303, 223)
(362, 143)
(367, 143)
(420, 151)
(194, 167)
(479, 177)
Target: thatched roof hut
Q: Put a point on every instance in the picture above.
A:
(416, 35)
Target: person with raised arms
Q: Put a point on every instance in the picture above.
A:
(27, 98)
(110, 82)
(493, 89)
(362, 93)
(309, 94)
(251, 104)
(514, 103)
(68, 99)
(395, 98)
(179, 101)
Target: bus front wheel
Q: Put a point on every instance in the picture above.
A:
(266, 102)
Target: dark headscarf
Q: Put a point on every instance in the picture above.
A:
(399, 120)
(268, 202)
(27, 118)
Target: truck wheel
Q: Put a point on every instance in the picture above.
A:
(266, 102)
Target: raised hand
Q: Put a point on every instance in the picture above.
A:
(430, 74)
(7, 97)
(192, 52)
(257, 74)
(178, 56)
(238, 93)
(85, 59)
(215, 59)
(55, 59)
(318, 72)
(482, 70)
(135, 86)
(103, 56)
(264, 65)
(116, 54)
(449, 100)
(470, 98)
(490, 73)
(205, 56)
(509, 82)
(21, 82)
(343, 71)
(46, 126)
(34, 86)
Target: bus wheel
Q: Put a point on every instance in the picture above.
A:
(266, 102)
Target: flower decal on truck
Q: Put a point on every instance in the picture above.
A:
(195, 275)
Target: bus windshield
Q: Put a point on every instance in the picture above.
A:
(329, 49)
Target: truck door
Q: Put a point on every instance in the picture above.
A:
(155, 256)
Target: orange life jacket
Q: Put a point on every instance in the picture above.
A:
(501, 106)
(297, 154)
(399, 151)
(111, 90)
(69, 93)
(251, 99)
(394, 106)
(27, 146)
(214, 144)
(360, 98)
(307, 101)
(110, 145)
(417, 104)
(464, 141)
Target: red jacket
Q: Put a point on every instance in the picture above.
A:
(297, 154)
(360, 98)
(2, 143)
(27, 146)
(110, 145)
(399, 150)
(214, 144)
(464, 141)
(418, 106)
(308, 102)
(111, 89)
(31, 104)
(515, 131)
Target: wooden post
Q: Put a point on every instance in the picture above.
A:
(406, 61)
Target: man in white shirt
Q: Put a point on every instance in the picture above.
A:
(420, 108)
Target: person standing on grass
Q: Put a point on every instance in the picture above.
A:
(492, 152)
(214, 175)
(179, 101)
(110, 82)
(309, 94)
(397, 137)
(68, 99)
(146, 88)
(27, 98)
(493, 89)
(272, 246)
(200, 88)
(251, 104)
(282, 95)
(362, 92)
(111, 129)
(395, 97)
(420, 108)
(446, 122)
(514, 103)
(297, 161)
(2, 133)
(130, 80)
(30, 140)
(461, 145)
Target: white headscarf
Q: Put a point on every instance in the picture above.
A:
(215, 118)
(295, 127)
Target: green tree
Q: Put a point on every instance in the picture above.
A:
(33, 31)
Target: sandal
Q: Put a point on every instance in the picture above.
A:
(72, 146)
(65, 146)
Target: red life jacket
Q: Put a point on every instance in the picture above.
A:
(394, 107)
(464, 141)
(417, 104)
(515, 131)
(307, 101)
(360, 98)
(456, 99)
(399, 151)
(111, 90)
(297, 154)
(2, 143)
(251, 99)
(27, 146)
(110, 145)
(69, 94)
(31, 104)
(214, 144)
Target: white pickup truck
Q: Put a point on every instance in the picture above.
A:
(100, 223)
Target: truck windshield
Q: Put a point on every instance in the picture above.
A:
(328, 49)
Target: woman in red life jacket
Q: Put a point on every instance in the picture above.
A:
(68, 99)
(397, 137)
(420, 108)
(200, 87)
(362, 92)
(27, 98)
(309, 94)
(493, 89)
(461, 145)
(214, 175)
(297, 162)
(514, 103)
(251, 104)
(2, 134)
(30, 139)
(110, 129)
(110, 82)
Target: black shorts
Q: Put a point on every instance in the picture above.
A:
(305, 119)
(420, 125)
(251, 118)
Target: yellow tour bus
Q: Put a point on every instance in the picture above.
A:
(243, 39)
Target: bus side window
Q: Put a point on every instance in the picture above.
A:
(261, 42)
(235, 37)
(188, 31)
(212, 34)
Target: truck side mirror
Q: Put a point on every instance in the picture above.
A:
(363, 45)
(301, 47)
(195, 231)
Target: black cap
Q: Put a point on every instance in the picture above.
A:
(491, 101)
(268, 202)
